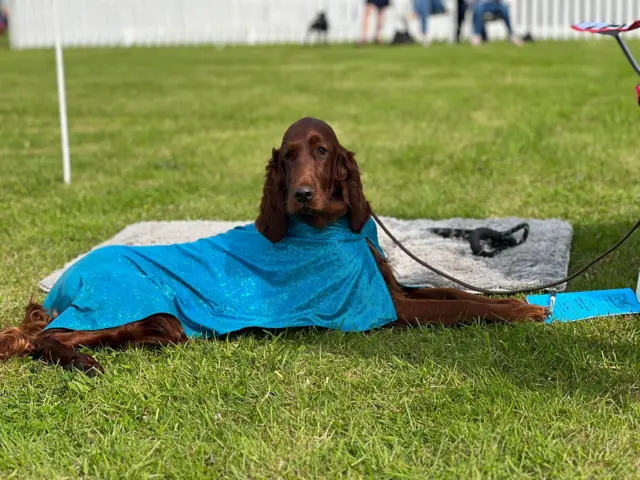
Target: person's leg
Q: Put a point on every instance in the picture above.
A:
(478, 24)
(485, 37)
(368, 9)
(503, 11)
(379, 24)
(462, 10)
(423, 9)
(419, 6)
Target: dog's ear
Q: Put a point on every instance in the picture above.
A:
(272, 219)
(348, 174)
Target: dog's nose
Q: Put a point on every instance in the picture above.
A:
(303, 194)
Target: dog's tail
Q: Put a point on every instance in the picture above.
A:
(18, 341)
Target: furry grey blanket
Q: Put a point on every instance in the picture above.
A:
(543, 258)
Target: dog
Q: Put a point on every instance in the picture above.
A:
(319, 26)
(312, 189)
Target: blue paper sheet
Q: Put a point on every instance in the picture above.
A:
(573, 306)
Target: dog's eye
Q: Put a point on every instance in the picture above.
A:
(322, 151)
(287, 155)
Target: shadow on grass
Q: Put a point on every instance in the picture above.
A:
(599, 358)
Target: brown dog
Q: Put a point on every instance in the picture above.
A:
(316, 179)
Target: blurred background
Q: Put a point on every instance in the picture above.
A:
(182, 22)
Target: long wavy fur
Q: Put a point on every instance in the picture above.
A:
(18, 341)
(348, 174)
(272, 221)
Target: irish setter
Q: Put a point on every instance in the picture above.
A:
(310, 176)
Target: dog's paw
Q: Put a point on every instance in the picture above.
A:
(86, 364)
(532, 313)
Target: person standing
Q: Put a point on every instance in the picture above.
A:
(496, 8)
(373, 5)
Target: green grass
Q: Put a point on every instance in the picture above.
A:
(550, 130)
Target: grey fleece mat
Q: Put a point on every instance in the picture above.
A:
(543, 258)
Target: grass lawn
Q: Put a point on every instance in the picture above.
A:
(550, 130)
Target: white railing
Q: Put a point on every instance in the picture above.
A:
(185, 22)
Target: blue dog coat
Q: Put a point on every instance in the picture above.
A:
(324, 278)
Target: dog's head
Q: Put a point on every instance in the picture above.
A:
(313, 177)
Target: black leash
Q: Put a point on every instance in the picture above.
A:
(505, 292)
(495, 241)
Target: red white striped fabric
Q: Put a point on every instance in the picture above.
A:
(605, 28)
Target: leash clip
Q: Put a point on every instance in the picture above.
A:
(552, 302)
(497, 241)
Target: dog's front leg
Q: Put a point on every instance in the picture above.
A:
(416, 312)
(49, 347)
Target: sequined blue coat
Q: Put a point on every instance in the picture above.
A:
(238, 279)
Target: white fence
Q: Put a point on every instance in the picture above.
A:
(184, 22)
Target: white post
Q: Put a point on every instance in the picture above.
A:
(62, 100)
